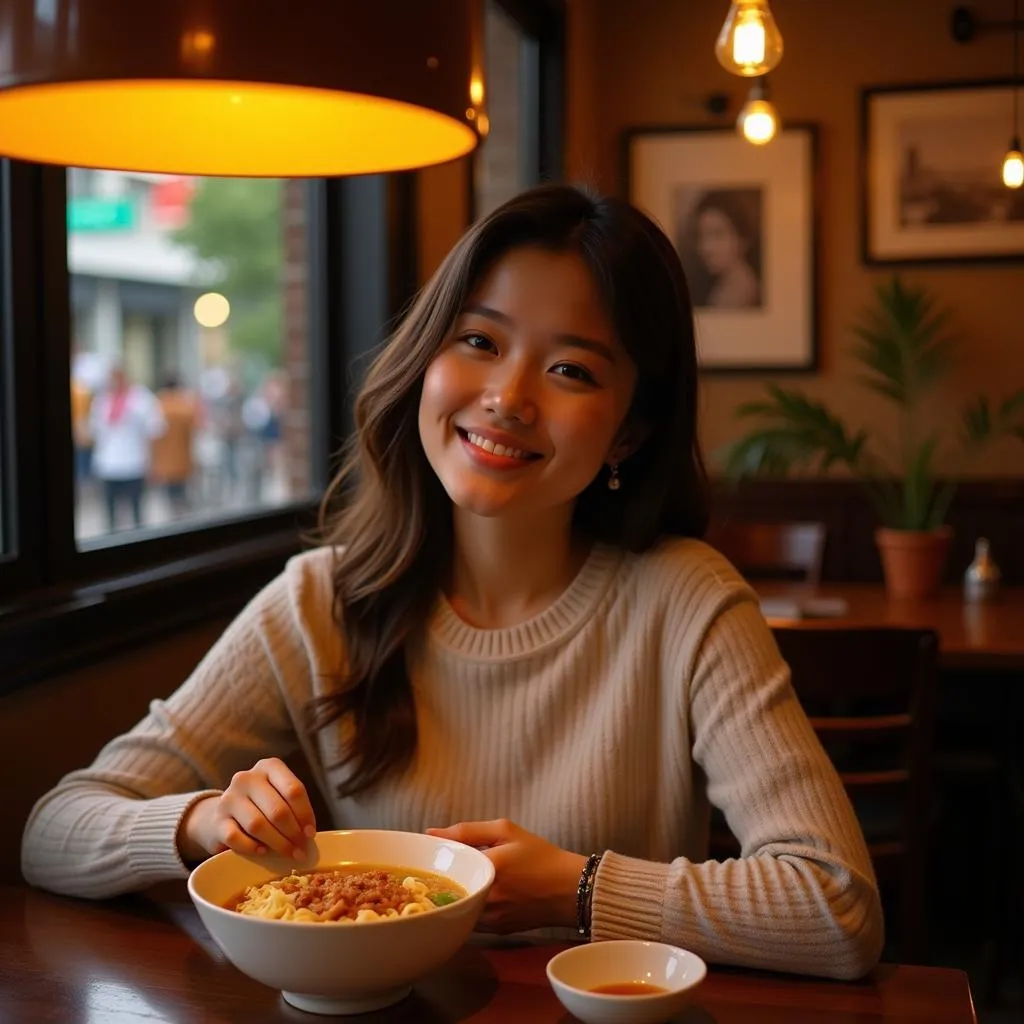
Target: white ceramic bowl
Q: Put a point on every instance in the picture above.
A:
(574, 972)
(340, 969)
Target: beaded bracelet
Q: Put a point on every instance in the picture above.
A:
(584, 894)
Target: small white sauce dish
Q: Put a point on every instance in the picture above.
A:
(576, 972)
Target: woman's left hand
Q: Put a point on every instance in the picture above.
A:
(534, 880)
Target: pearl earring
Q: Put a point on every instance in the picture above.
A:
(614, 483)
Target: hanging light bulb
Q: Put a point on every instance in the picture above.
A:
(750, 43)
(758, 121)
(1013, 165)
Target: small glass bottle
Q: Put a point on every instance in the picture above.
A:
(981, 580)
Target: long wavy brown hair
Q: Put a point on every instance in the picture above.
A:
(386, 514)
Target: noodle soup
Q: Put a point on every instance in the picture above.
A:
(348, 894)
(331, 970)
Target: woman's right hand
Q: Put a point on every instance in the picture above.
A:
(263, 808)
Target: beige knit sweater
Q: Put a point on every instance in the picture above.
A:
(607, 722)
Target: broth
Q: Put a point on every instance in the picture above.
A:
(629, 988)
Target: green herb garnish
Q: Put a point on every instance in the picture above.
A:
(442, 899)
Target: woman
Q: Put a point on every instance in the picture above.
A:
(723, 237)
(512, 632)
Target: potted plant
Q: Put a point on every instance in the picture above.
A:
(905, 348)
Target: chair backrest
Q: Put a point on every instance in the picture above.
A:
(869, 693)
(783, 551)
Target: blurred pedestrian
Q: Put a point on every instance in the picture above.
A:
(124, 421)
(172, 460)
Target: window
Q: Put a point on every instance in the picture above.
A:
(103, 271)
(190, 382)
(522, 56)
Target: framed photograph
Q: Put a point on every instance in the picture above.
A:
(743, 220)
(932, 174)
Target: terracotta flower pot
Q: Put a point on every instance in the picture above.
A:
(913, 560)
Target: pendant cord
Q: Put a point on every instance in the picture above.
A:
(1016, 65)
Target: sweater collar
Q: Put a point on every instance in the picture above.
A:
(559, 620)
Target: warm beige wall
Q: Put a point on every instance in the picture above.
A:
(652, 61)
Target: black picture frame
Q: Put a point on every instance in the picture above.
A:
(950, 138)
(670, 169)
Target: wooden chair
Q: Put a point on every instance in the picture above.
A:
(869, 695)
(772, 550)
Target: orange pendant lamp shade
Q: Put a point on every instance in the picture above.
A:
(241, 87)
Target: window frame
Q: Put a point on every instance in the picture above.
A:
(544, 22)
(155, 580)
(19, 377)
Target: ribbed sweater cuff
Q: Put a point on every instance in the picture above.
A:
(628, 900)
(152, 843)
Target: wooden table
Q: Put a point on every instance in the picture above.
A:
(140, 960)
(987, 636)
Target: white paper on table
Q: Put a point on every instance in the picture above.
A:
(816, 607)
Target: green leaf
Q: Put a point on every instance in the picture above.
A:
(905, 343)
(886, 388)
(918, 487)
(886, 497)
(795, 432)
(979, 423)
(976, 422)
(940, 504)
(443, 899)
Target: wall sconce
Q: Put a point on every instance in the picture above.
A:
(964, 27)
(758, 121)
(749, 43)
(240, 87)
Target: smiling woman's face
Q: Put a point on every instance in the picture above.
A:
(526, 398)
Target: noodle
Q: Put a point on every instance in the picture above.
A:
(347, 896)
